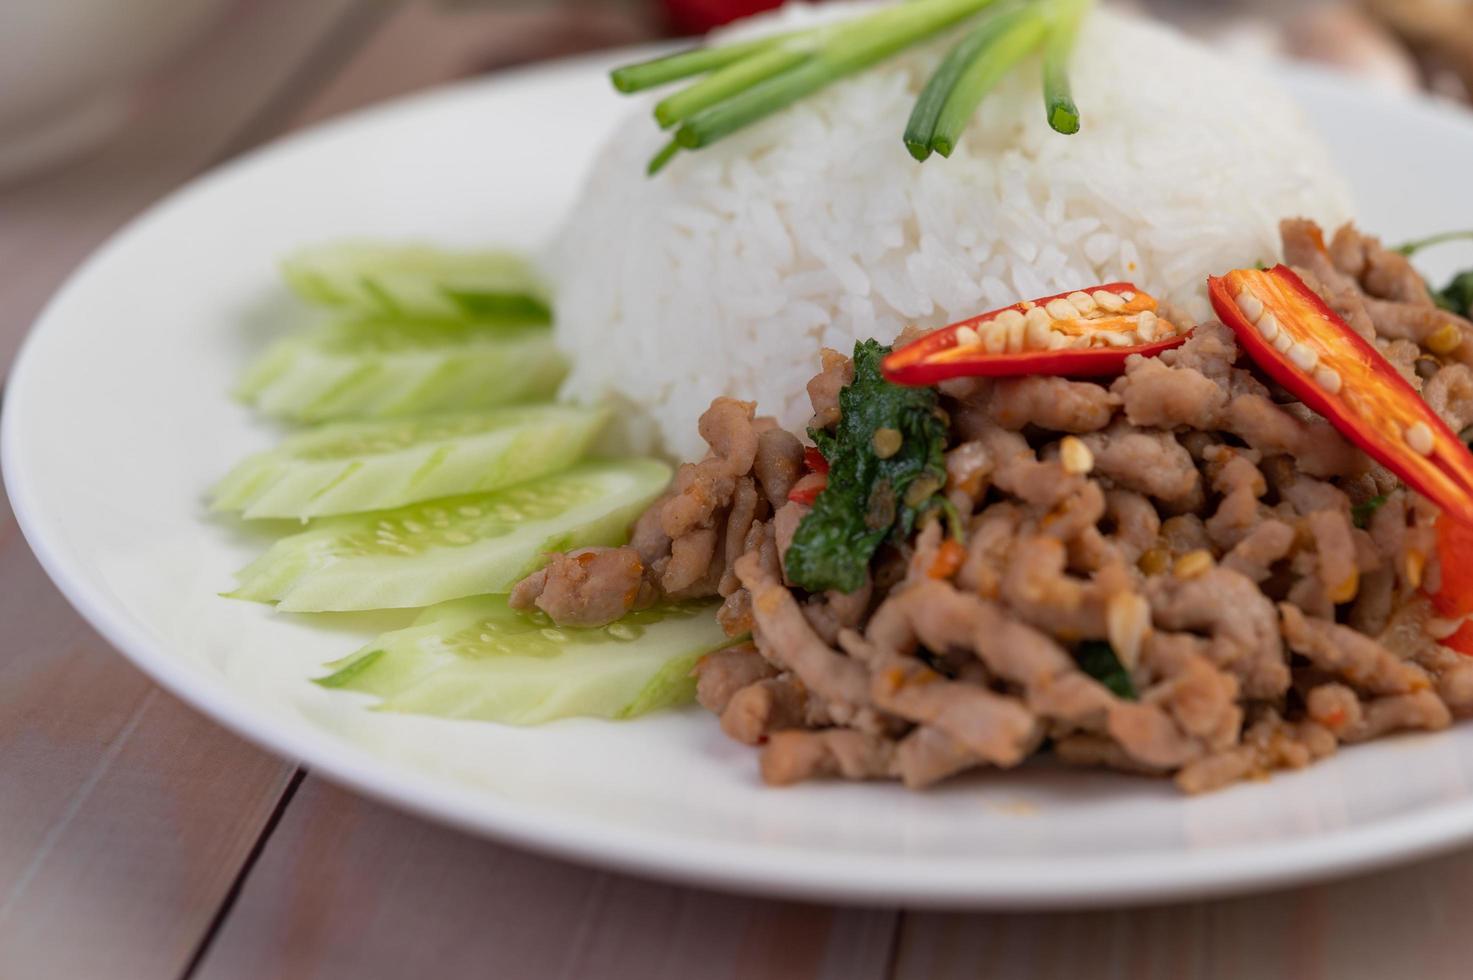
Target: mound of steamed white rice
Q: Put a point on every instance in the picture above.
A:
(726, 273)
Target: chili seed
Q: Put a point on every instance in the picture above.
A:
(1413, 566)
(1251, 306)
(886, 442)
(1445, 339)
(1419, 437)
(1327, 378)
(1015, 330)
(921, 491)
(1108, 301)
(1075, 456)
(1082, 303)
(1061, 309)
(995, 337)
(967, 337)
(881, 510)
(1193, 563)
(1154, 561)
(1008, 317)
(1303, 357)
(1346, 590)
(1127, 621)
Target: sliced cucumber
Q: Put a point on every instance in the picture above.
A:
(347, 467)
(388, 368)
(458, 546)
(414, 280)
(476, 658)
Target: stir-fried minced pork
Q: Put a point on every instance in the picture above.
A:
(1179, 571)
(590, 587)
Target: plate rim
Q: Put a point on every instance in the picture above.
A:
(992, 883)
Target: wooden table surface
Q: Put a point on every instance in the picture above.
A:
(137, 839)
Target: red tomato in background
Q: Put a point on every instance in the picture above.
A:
(699, 16)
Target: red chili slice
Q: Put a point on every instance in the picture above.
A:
(1084, 333)
(1454, 597)
(807, 489)
(1462, 640)
(814, 460)
(1290, 332)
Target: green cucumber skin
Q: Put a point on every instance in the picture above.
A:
(621, 671)
(309, 572)
(518, 444)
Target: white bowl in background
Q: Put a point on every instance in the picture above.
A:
(68, 69)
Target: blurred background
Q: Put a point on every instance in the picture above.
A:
(75, 73)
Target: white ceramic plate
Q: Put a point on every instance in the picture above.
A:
(118, 418)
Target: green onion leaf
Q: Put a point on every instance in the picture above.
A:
(689, 63)
(732, 80)
(666, 154)
(921, 128)
(1009, 38)
(1063, 115)
(851, 47)
(1415, 246)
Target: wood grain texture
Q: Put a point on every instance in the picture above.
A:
(125, 819)
(124, 816)
(351, 888)
(1402, 923)
(228, 88)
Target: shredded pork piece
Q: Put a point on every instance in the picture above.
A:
(586, 588)
(1229, 607)
(823, 390)
(1314, 445)
(721, 674)
(785, 637)
(778, 464)
(1147, 461)
(1051, 403)
(1018, 470)
(1358, 658)
(1159, 396)
(1191, 515)
(1255, 554)
(772, 704)
(1450, 394)
(793, 756)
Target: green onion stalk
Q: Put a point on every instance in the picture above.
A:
(747, 81)
(1415, 246)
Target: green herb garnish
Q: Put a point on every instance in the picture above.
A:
(1097, 659)
(1360, 514)
(1417, 244)
(1457, 295)
(868, 498)
(748, 80)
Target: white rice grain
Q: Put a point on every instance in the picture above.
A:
(728, 271)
